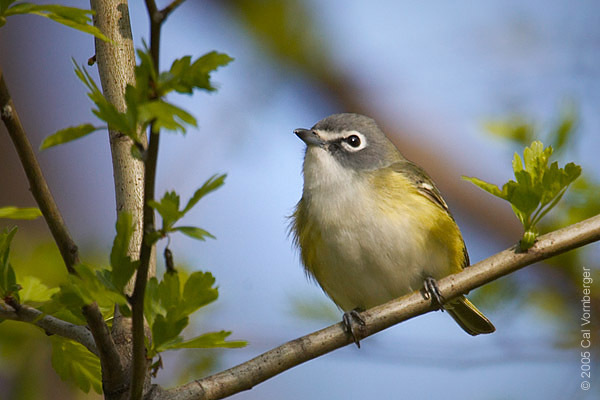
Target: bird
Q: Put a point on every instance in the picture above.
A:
(372, 226)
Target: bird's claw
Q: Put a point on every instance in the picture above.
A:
(432, 291)
(349, 318)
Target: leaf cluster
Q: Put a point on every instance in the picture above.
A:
(537, 187)
(168, 305)
(145, 101)
(168, 209)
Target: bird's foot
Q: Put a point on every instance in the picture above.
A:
(349, 319)
(432, 291)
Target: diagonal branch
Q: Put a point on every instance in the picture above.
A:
(273, 362)
(109, 358)
(50, 324)
(37, 182)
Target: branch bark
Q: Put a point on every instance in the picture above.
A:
(50, 324)
(37, 182)
(116, 66)
(265, 366)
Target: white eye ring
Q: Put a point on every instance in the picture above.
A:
(353, 141)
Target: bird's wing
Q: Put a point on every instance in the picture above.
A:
(421, 181)
(426, 188)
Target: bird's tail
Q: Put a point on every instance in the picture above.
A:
(468, 316)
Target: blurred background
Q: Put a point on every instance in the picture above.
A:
(458, 86)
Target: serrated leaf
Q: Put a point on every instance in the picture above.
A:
(194, 232)
(168, 208)
(76, 364)
(207, 341)
(212, 184)
(169, 291)
(20, 213)
(537, 189)
(536, 159)
(165, 115)
(185, 76)
(517, 163)
(68, 134)
(33, 290)
(72, 17)
(164, 330)
(198, 291)
(122, 265)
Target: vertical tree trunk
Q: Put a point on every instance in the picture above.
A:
(116, 65)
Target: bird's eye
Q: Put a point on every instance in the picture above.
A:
(353, 141)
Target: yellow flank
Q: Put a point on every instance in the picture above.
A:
(307, 236)
(398, 196)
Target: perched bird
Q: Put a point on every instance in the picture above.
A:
(371, 225)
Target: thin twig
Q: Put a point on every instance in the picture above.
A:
(37, 182)
(165, 12)
(273, 362)
(139, 360)
(50, 324)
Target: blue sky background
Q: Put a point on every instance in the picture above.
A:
(440, 69)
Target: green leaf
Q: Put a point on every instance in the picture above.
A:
(69, 134)
(198, 291)
(20, 213)
(564, 130)
(488, 187)
(8, 279)
(122, 265)
(515, 128)
(165, 116)
(72, 17)
(167, 307)
(185, 76)
(207, 341)
(212, 184)
(193, 232)
(74, 363)
(164, 330)
(152, 306)
(34, 291)
(168, 208)
(169, 292)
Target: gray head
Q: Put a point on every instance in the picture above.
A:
(353, 140)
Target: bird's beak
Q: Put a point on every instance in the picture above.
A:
(309, 137)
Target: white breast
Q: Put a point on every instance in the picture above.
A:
(365, 256)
